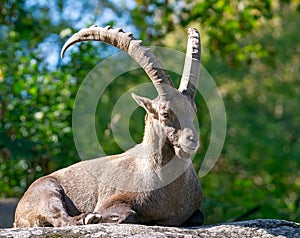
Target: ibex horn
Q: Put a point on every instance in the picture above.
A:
(191, 71)
(135, 48)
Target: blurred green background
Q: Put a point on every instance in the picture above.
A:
(250, 47)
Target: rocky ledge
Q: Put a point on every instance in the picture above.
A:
(264, 228)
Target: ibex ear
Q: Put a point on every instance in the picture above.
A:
(146, 103)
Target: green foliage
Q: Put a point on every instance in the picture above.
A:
(251, 48)
(260, 160)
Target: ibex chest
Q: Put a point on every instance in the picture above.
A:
(172, 203)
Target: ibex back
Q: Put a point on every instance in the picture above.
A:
(152, 183)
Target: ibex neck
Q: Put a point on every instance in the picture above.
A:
(160, 151)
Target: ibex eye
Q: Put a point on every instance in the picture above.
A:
(164, 115)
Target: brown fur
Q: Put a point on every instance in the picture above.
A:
(152, 183)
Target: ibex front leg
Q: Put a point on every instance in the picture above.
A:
(117, 209)
(45, 204)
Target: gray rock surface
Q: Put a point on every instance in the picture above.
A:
(261, 228)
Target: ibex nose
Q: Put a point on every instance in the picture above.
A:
(192, 141)
(189, 140)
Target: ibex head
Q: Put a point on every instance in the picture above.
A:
(170, 116)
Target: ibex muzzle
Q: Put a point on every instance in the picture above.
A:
(152, 183)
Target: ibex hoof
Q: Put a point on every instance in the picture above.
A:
(92, 218)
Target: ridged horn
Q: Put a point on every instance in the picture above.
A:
(191, 71)
(135, 48)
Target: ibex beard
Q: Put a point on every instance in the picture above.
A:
(154, 182)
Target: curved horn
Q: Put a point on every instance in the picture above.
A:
(135, 48)
(191, 71)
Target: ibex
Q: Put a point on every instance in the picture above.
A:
(153, 183)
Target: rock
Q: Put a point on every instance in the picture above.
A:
(261, 228)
